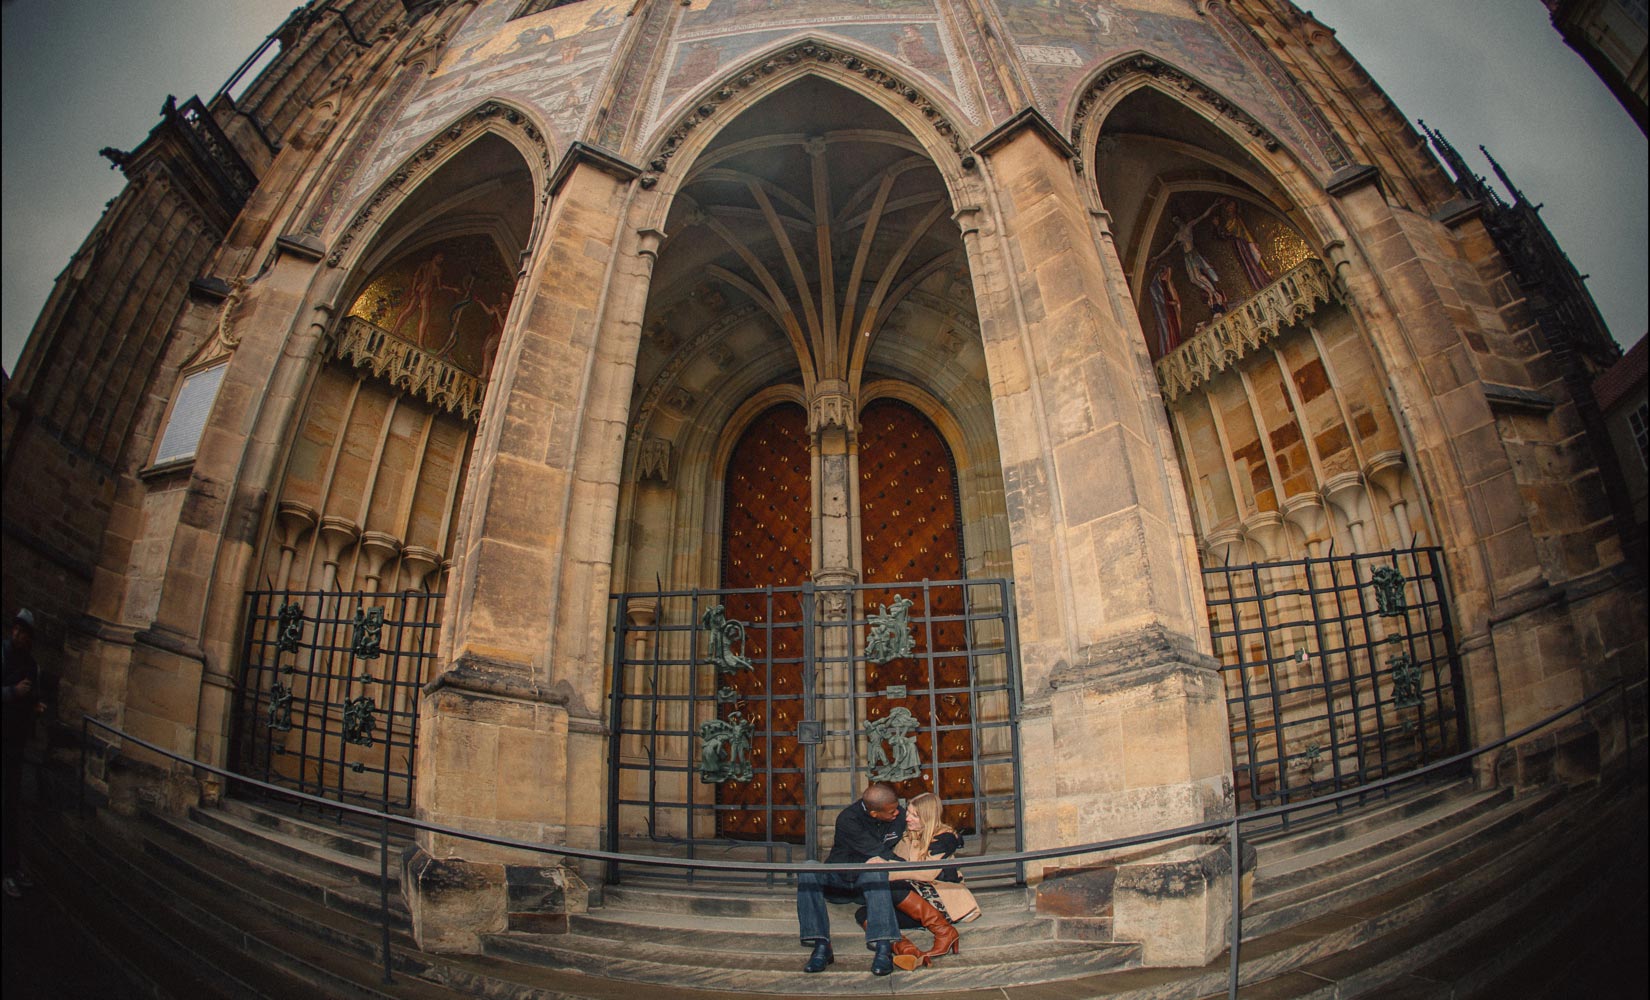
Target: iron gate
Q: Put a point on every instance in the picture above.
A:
(1339, 670)
(327, 701)
(744, 720)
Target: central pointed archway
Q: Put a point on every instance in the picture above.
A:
(813, 427)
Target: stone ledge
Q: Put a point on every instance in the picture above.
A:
(474, 674)
(1147, 656)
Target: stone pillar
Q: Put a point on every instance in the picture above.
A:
(1346, 494)
(293, 521)
(833, 436)
(512, 738)
(178, 690)
(1386, 471)
(377, 549)
(1124, 726)
(1305, 511)
(417, 563)
(336, 535)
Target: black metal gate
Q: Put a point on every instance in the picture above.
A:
(743, 736)
(1339, 671)
(327, 701)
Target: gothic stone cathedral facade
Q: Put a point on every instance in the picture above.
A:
(638, 422)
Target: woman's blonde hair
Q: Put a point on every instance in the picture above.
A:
(929, 809)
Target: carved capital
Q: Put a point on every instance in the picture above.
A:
(832, 405)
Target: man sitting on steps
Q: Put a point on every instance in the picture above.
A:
(869, 828)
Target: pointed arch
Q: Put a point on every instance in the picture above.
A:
(509, 122)
(1115, 79)
(934, 121)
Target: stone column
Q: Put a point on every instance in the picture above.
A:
(833, 436)
(178, 689)
(417, 563)
(512, 737)
(293, 520)
(377, 549)
(337, 533)
(1124, 726)
(1386, 471)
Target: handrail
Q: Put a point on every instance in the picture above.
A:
(769, 867)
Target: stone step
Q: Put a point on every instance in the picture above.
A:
(1463, 946)
(1399, 830)
(331, 952)
(775, 973)
(1311, 831)
(157, 946)
(1340, 882)
(305, 874)
(341, 913)
(277, 843)
(779, 934)
(344, 837)
(778, 902)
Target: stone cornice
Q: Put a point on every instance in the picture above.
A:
(410, 368)
(604, 160)
(1026, 118)
(493, 678)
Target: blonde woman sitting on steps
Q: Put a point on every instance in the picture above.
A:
(934, 899)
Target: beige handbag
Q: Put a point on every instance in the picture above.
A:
(955, 897)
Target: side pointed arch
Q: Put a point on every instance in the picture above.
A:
(1116, 79)
(491, 117)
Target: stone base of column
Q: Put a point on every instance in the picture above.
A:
(1177, 905)
(454, 902)
(132, 786)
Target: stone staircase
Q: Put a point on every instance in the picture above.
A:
(1442, 891)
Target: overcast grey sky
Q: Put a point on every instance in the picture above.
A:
(82, 74)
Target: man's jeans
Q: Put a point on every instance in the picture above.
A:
(846, 887)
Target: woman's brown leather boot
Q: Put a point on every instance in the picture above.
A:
(907, 956)
(933, 921)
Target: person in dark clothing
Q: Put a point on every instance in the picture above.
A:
(934, 899)
(21, 696)
(868, 829)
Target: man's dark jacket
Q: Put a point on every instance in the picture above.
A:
(859, 837)
(19, 708)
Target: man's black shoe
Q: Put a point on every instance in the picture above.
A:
(822, 957)
(883, 963)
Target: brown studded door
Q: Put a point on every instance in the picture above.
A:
(767, 541)
(756, 710)
(911, 532)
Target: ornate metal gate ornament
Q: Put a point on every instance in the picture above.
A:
(290, 627)
(1389, 591)
(723, 633)
(1406, 680)
(890, 636)
(898, 762)
(358, 721)
(725, 749)
(369, 629)
(280, 708)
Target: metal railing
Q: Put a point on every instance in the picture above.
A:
(747, 717)
(1339, 670)
(1231, 826)
(328, 691)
